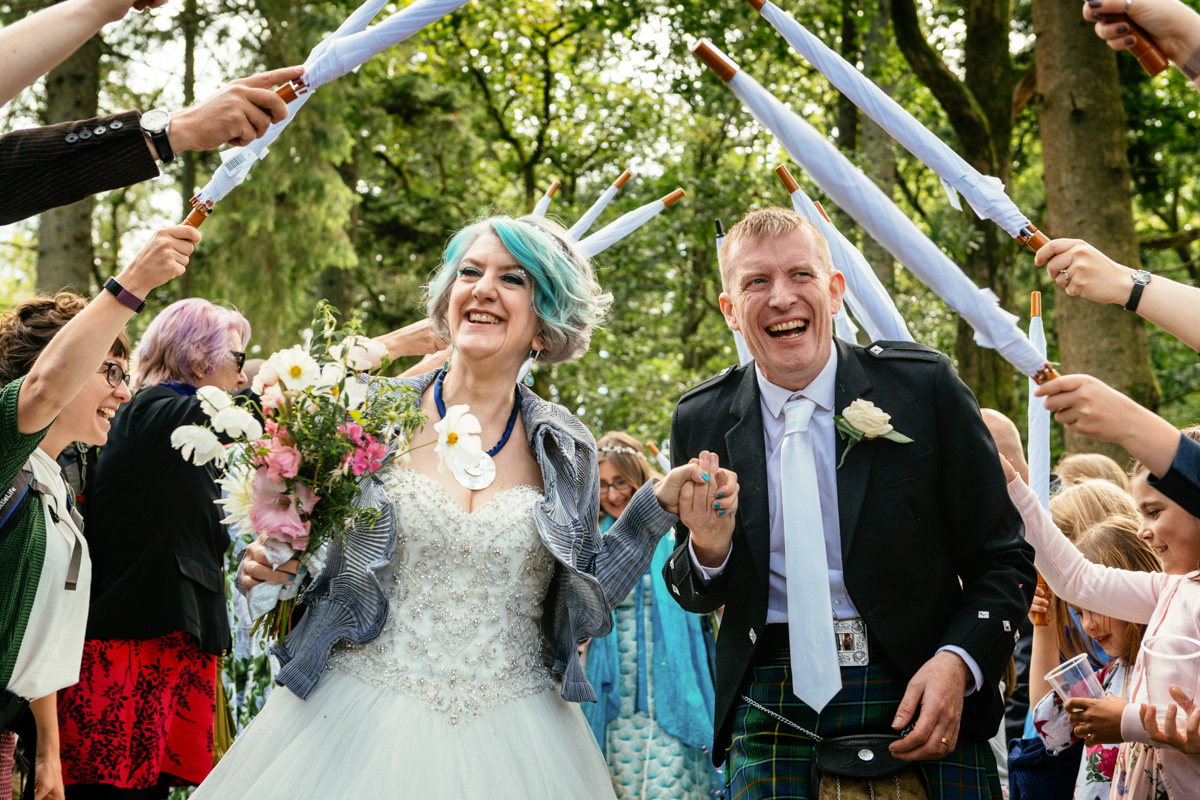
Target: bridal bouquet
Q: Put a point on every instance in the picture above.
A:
(294, 478)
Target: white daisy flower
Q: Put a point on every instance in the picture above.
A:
(213, 400)
(297, 370)
(458, 446)
(198, 445)
(238, 423)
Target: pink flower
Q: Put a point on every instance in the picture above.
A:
(305, 498)
(275, 429)
(272, 398)
(352, 431)
(281, 460)
(369, 457)
(1108, 762)
(274, 513)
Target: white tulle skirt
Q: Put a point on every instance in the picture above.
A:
(354, 740)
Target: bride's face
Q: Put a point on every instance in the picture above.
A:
(491, 312)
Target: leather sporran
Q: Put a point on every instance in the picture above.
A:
(862, 768)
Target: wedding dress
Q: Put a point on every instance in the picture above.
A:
(453, 700)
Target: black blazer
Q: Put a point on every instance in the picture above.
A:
(57, 165)
(156, 539)
(915, 518)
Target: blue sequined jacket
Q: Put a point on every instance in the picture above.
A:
(594, 573)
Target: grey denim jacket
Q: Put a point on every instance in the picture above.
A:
(593, 575)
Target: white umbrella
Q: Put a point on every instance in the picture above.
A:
(871, 208)
(739, 341)
(1038, 432)
(626, 224)
(868, 300)
(585, 222)
(328, 60)
(984, 193)
(543, 205)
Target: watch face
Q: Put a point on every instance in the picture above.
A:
(155, 120)
(1141, 276)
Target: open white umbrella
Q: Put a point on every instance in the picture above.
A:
(878, 215)
(543, 205)
(332, 58)
(585, 222)
(626, 224)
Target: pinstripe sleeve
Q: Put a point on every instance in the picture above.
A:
(57, 165)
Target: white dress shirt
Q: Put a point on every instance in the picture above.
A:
(825, 441)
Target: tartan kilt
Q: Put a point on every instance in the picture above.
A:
(768, 760)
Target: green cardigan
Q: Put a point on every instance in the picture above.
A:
(23, 551)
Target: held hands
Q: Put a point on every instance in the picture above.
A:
(1083, 271)
(1185, 739)
(256, 567)
(162, 258)
(706, 499)
(1170, 23)
(1096, 721)
(237, 115)
(937, 689)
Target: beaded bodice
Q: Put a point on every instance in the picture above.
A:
(465, 595)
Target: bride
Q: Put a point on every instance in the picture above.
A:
(436, 653)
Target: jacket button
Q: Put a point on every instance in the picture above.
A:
(85, 134)
(100, 130)
(72, 138)
(116, 125)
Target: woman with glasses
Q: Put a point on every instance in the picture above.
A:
(141, 718)
(653, 718)
(62, 368)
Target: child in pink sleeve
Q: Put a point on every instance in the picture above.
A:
(1167, 602)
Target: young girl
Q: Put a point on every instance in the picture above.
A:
(1113, 543)
(1169, 602)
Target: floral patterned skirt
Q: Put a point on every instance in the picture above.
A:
(142, 711)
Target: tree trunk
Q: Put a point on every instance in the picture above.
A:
(878, 147)
(189, 23)
(1088, 196)
(65, 233)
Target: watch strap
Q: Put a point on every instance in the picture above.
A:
(1191, 67)
(1135, 296)
(128, 298)
(162, 145)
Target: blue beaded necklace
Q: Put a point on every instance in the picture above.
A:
(512, 419)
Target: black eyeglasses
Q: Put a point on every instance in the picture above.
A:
(114, 373)
(239, 359)
(620, 485)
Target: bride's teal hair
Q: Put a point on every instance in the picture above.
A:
(566, 296)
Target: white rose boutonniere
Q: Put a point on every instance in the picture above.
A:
(863, 420)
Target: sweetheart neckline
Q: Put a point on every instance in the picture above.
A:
(446, 495)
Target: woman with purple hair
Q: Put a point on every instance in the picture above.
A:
(141, 718)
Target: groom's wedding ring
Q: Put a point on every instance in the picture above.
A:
(1066, 275)
(945, 741)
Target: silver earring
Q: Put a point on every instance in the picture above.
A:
(529, 375)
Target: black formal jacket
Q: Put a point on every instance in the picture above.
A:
(57, 165)
(156, 539)
(915, 518)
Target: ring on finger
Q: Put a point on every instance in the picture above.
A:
(945, 741)
(1128, 3)
(1065, 275)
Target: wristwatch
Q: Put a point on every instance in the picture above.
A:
(128, 298)
(156, 124)
(1140, 279)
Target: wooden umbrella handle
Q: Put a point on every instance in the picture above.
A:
(1144, 49)
(291, 90)
(200, 212)
(1039, 617)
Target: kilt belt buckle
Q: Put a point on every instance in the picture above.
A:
(850, 636)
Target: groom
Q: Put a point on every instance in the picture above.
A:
(890, 574)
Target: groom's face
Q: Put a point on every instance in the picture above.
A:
(782, 296)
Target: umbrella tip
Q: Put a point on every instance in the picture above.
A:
(553, 190)
(620, 182)
(720, 229)
(789, 182)
(672, 197)
(715, 60)
(757, 4)
(1035, 304)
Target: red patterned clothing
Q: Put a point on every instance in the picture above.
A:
(143, 710)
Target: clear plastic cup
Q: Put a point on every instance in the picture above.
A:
(1074, 678)
(1170, 660)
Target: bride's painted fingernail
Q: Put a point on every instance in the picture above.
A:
(705, 476)
(303, 570)
(291, 577)
(721, 513)
(716, 505)
(720, 495)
